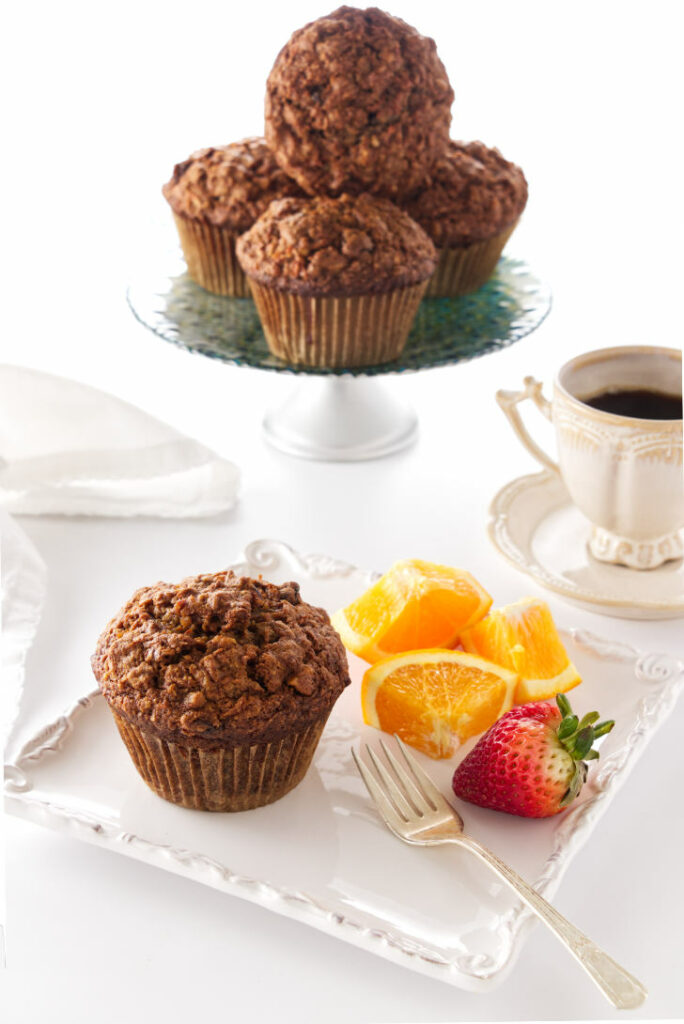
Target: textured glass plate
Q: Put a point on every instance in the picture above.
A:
(320, 855)
(511, 305)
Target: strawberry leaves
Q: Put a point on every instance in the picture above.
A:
(578, 737)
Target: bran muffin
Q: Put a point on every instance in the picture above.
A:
(220, 687)
(336, 281)
(358, 101)
(469, 206)
(215, 195)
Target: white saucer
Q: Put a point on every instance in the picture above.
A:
(536, 527)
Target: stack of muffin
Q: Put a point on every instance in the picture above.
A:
(356, 203)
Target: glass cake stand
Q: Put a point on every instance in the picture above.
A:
(344, 414)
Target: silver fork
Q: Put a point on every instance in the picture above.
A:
(414, 810)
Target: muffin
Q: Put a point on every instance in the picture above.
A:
(336, 281)
(469, 206)
(358, 101)
(220, 687)
(215, 195)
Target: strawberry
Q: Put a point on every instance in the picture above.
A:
(533, 760)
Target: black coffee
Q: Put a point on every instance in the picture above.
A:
(641, 403)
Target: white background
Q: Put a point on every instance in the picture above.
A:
(102, 101)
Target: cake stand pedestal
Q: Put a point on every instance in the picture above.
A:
(341, 419)
(343, 415)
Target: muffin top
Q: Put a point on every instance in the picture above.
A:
(228, 186)
(220, 658)
(358, 101)
(471, 193)
(349, 245)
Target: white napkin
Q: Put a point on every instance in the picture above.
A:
(69, 449)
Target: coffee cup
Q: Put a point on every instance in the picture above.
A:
(618, 426)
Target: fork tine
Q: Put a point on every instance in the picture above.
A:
(383, 805)
(412, 792)
(423, 780)
(392, 789)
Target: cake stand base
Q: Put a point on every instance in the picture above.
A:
(340, 419)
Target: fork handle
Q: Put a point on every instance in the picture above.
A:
(620, 987)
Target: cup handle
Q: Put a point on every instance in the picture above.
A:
(509, 401)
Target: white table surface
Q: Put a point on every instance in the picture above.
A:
(586, 102)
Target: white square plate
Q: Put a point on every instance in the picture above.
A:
(320, 854)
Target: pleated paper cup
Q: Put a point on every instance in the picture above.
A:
(225, 778)
(209, 252)
(336, 331)
(466, 268)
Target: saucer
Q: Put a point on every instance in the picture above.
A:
(534, 525)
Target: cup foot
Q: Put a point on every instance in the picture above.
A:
(636, 554)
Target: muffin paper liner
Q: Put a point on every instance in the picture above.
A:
(356, 330)
(465, 269)
(210, 255)
(226, 778)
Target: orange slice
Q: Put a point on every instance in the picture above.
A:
(414, 605)
(523, 637)
(436, 699)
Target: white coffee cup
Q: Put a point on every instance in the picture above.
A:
(622, 472)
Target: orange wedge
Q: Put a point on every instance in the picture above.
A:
(523, 637)
(414, 605)
(436, 699)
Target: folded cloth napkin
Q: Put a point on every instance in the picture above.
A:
(69, 449)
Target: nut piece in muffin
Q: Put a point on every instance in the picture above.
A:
(220, 686)
(215, 195)
(336, 281)
(469, 206)
(358, 101)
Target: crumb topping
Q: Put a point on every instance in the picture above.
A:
(228, 186)
(358, 101)
(218, 656)
(470, 194)
(336, 246)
